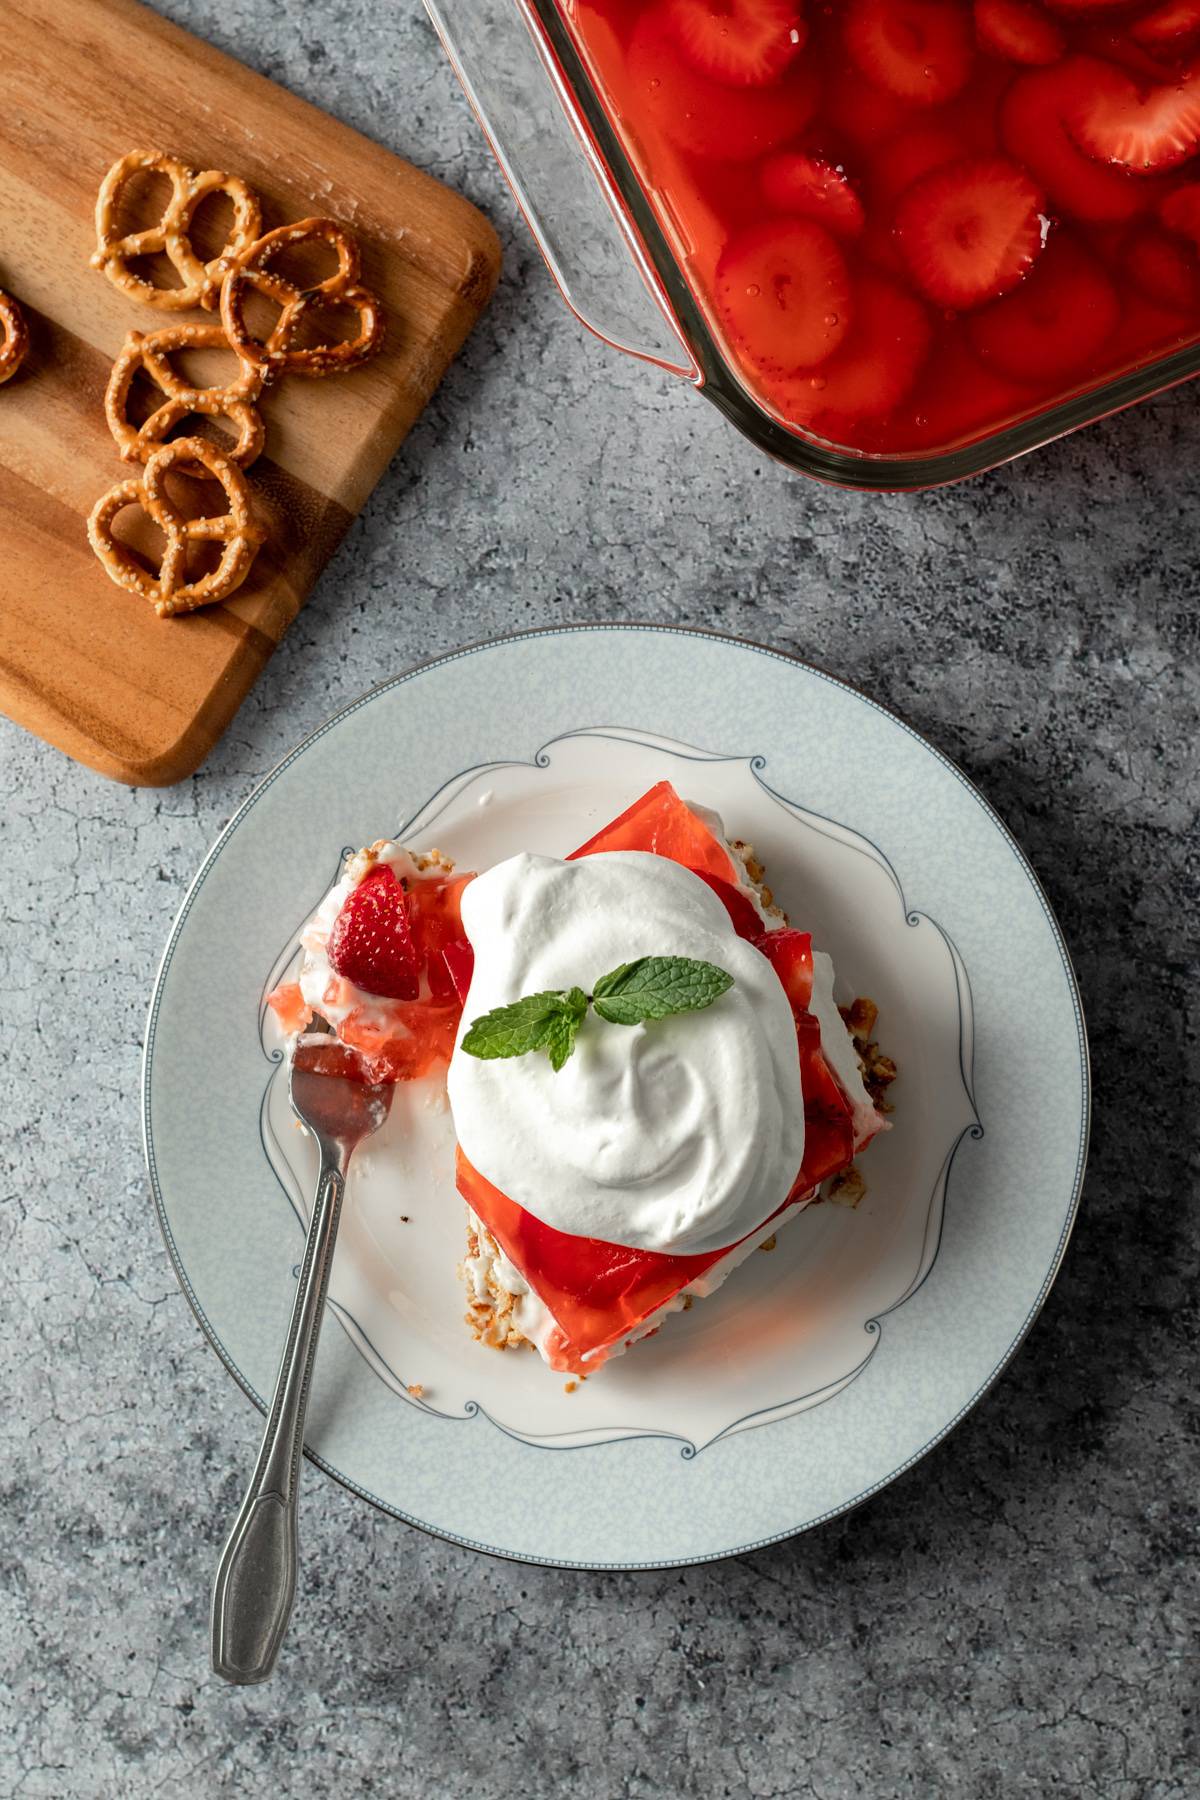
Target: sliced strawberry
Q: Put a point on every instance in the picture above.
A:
(659, 823)
(971, 231)
(901, 161)
(1033, 132)
(963, 399)
(1162, 268)
(1018, 32)
(706, 117)
(1180, 211)
(290, 1007)
(1142, 129)
(745, 42)
(371, 944)
(1053, 324)
(783, 293)
(1112, 44)
(744, 916)
(874, 370)
(1172, 26)
(920, 50)
(811, 188)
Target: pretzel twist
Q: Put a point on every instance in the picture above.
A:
(170, 592)
(200, 281)
(278, 355)
(14, 337)
(152, 356)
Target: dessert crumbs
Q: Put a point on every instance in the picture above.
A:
(417, 1390)
(569, 1387)
(769, 1243)
(756, 876)
(878, 1070)
(491, 1318)
(848, 1188)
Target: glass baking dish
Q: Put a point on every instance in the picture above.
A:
(657, 235)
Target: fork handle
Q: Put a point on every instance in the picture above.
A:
(256, 1577)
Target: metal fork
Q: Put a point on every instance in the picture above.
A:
(256, 1577)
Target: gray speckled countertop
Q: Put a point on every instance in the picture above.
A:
(1015, 1615)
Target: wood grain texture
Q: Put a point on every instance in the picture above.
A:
(83, 663)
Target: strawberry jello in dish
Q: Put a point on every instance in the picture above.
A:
(905, 230)
(647, 1069)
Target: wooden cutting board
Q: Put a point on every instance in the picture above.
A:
(83, 663)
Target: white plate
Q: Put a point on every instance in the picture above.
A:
(822, 1369)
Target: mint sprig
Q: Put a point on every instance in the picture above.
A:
(652, 987)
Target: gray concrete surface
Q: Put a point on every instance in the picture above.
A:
(1016, 1616)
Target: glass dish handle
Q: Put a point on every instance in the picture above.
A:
(560, 183)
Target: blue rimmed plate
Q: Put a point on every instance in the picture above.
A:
(821, 1370)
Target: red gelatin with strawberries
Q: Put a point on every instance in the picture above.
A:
(910, 226)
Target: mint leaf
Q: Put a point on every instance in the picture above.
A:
(546, 1021)
(654, 987)
(514, 1030)
(561, 1041)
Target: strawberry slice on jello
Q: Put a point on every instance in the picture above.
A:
(1180, 211)
(971, 231)
(747, 43)
(1162, 267)
(920, 50)
(1034, 131)
(1139, 128)
(810, 187)
(1173, 26)
(1054, 323)
(875, 368)
(1018, 31)
(703, 116)
(783, 293)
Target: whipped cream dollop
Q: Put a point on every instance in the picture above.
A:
(681, 1135)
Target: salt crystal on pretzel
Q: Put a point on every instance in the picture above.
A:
(279, 355)
(201, 281)
(14, 337)
(170, 591)
(151, 356)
